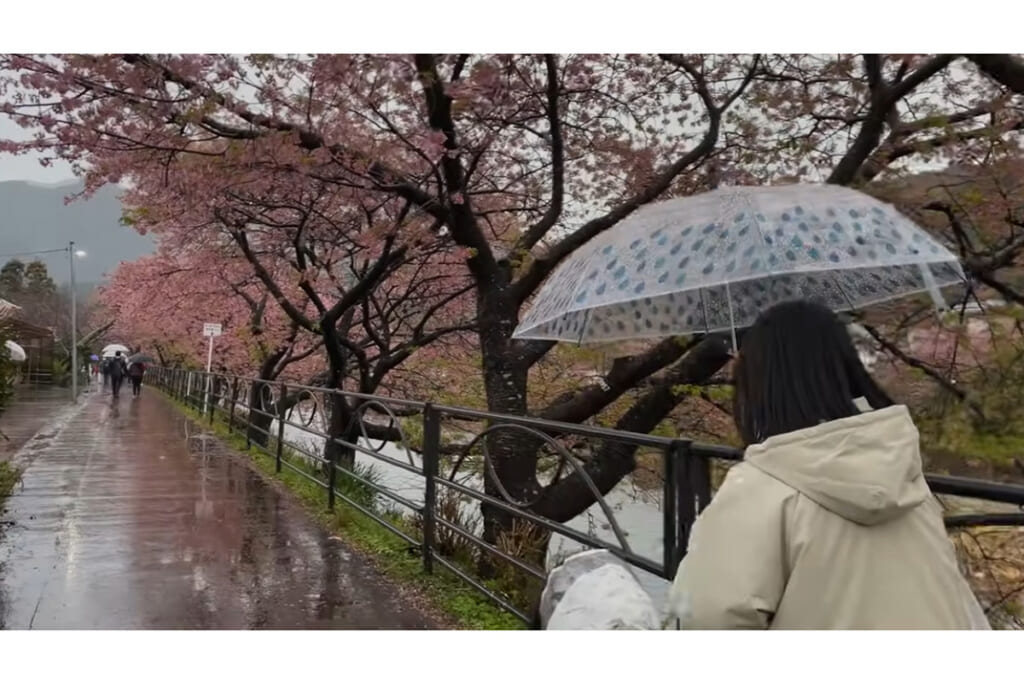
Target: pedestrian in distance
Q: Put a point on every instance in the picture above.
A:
(136, 370)
(828, 522)
(118, 369)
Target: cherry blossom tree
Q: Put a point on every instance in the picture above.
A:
(518, 160)
(378, 296)
(160, 302)
(365, 279)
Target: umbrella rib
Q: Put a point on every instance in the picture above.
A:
(853, 307)
(583, 328)
(704, 307)
(757, 221)
(732, 319)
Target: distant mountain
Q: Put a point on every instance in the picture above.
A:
(34, 217)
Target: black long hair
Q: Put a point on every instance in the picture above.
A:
(797, 367)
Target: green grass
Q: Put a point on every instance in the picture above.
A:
(391, 555)
(8, 478)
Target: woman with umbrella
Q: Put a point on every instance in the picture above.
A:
(828, 523)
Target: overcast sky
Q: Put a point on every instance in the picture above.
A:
(27, 167)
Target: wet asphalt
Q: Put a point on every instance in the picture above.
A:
(120, 522)
(34, 409)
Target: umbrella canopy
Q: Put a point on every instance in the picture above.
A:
(715, 261)
(112, 349)
(141, 358)
(93, 357)
(18, 354)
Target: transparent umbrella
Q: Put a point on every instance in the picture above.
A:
(112, 349)
(17, 353)
(714, 261)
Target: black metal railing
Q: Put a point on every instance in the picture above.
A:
(424, 517)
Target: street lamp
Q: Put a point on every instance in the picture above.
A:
(72, 255)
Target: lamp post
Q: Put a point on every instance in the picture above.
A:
(74, 325)
(72, 254)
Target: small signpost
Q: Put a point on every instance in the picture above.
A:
(210, 330)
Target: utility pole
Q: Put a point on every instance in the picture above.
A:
(74, 325)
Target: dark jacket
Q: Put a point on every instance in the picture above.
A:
(118, 367)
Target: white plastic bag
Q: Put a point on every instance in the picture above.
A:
(595, 590)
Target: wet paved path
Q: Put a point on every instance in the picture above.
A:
(32, 410)
(117, 524)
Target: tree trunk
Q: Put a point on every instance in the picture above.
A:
(614, 460)
(512, 453)
(338, 410)
(259, 424)
(339, 427)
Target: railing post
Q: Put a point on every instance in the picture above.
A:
(211, 382)
(693, 477)
(669, 509)
(248, 417)
(431, 464)
(332, 479)
(280, 427)
(234, 401)
(332, 465)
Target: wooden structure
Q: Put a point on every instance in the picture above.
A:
(37, 341)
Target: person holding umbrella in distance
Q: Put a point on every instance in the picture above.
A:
(136, 371)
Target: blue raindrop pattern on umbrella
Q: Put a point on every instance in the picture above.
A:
(708, 309)
(664, 270)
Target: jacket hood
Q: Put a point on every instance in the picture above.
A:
(865, 468)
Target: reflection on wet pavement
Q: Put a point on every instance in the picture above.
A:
(121, 524)
(32, 409)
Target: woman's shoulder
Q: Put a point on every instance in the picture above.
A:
(749, 501)
(746, 482)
